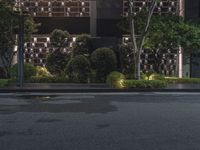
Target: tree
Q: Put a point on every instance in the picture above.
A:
(169, 32)
(126, 60)
(58, 59)
(139, 40)
(60, 39)
(83, 45)
(9, 21)
(164, 32)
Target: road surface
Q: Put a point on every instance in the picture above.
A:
(106, 121)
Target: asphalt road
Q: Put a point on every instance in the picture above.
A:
(126, 121)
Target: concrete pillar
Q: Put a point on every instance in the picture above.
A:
(93, 18)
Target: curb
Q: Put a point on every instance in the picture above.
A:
(18, 90)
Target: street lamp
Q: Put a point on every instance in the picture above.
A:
(20, 58)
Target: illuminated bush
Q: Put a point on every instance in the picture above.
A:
(42, 72)
(115, 79)
(152, 76)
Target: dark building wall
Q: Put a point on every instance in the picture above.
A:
(192, 10)
(109, 13)
(195, 64)
(73, 25)
(192, 13)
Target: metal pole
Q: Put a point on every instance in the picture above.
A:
(21, 51)
(180, 53)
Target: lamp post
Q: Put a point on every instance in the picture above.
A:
(180, 51)
(20, 78)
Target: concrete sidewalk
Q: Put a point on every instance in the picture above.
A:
(60, 86)
(86, 88)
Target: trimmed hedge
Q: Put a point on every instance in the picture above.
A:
(4, 82)
(145, 84)
(176, 80)
(48, 80)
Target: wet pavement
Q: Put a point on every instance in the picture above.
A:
(100, 121)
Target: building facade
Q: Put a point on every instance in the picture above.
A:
(192, 13)
(99, 18)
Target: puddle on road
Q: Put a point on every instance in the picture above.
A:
(48, 120)
(59, 104)
(37, 97)
(102, 126)
(17, 133)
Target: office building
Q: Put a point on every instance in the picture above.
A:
(99, 18)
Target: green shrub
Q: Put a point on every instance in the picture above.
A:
(78, 69)
(104, 61)
(56, 62)
(4, 82)
(92, 76)
(183, 80)
(29, 71)
(115, 79)
(145, 84)
(83, 45)
(42, 72)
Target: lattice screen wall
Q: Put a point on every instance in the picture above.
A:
(165, 61)
(56, 8)
(38, 48)
(163, 7)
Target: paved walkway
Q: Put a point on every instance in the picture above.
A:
(184, 86)
(60, 86)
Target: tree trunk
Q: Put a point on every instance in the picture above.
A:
(137, 51)
(133, 36)
(138, 66)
